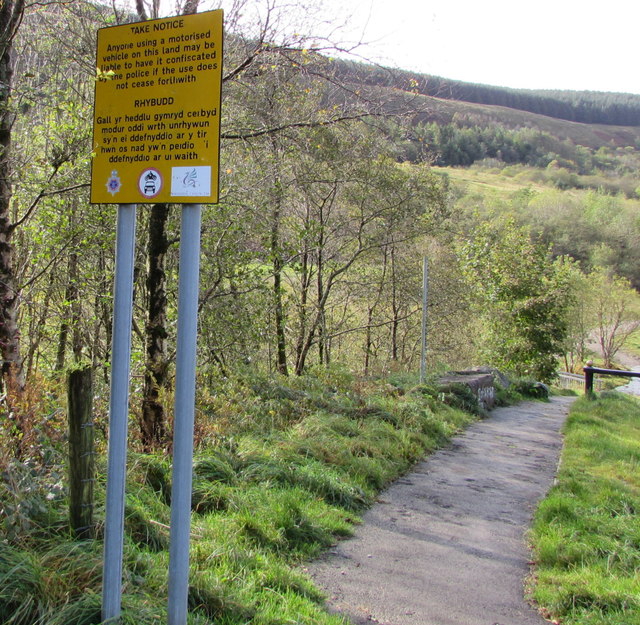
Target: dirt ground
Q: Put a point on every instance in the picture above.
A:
(446, 544)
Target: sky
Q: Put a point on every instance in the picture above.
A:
(547, 44)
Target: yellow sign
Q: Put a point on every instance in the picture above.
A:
(156, 127)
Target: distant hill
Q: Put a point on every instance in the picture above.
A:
(587, 107)
(591, 119)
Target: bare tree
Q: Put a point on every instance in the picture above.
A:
(616, 310)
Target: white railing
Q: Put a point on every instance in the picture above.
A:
(575, 381)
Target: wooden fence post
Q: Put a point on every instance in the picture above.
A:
(81, 454)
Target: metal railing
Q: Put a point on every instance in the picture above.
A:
(590, 371)
(575, 381)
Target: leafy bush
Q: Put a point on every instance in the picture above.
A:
(530, 388)
(26, 489)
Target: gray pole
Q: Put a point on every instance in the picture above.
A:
(425, 289)
(184, 414)
(118, 412)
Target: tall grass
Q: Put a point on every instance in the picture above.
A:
(282, 470)
(586, 534)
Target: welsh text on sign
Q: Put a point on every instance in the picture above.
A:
(156, 130)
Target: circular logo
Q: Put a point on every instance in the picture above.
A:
(150, 183)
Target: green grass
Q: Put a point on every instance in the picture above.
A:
(282, 470)
(586, 535)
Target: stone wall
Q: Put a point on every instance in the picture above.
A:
(481, 382)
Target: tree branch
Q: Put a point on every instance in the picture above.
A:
(313, 124)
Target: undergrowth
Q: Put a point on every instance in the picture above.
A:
(283, 468)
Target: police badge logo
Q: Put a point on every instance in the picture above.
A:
(114, 184)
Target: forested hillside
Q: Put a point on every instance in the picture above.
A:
(586, 107)
(456, 124)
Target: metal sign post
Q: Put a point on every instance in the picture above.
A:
(156, 138)
(425, 288)
(118, 412)
(184, 413)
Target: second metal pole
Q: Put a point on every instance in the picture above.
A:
(118, 412)
(423, 352)
(184, 414)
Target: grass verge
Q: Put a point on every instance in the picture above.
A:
(586, 535)
(282, 470)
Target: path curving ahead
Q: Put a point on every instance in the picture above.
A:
(446, 544)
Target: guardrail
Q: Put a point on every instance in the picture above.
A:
(575, 381)
(590, 371)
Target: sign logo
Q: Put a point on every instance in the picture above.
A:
(150, 183)
(114, 184)
(192, 181)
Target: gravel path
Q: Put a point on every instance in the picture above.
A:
(445, 545)
(633, 386)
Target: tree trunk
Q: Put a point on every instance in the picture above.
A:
(278, 265)
(10, 15)
(320, 298)
(371, 310)
(281, 345)
(37, 331)
(71, 320)
(76, 308)
(395, 309)
(103, 306)
(305, 283)
(153, 424)
(368, 341)
(63, 336)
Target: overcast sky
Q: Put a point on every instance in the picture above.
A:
(547, 44)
